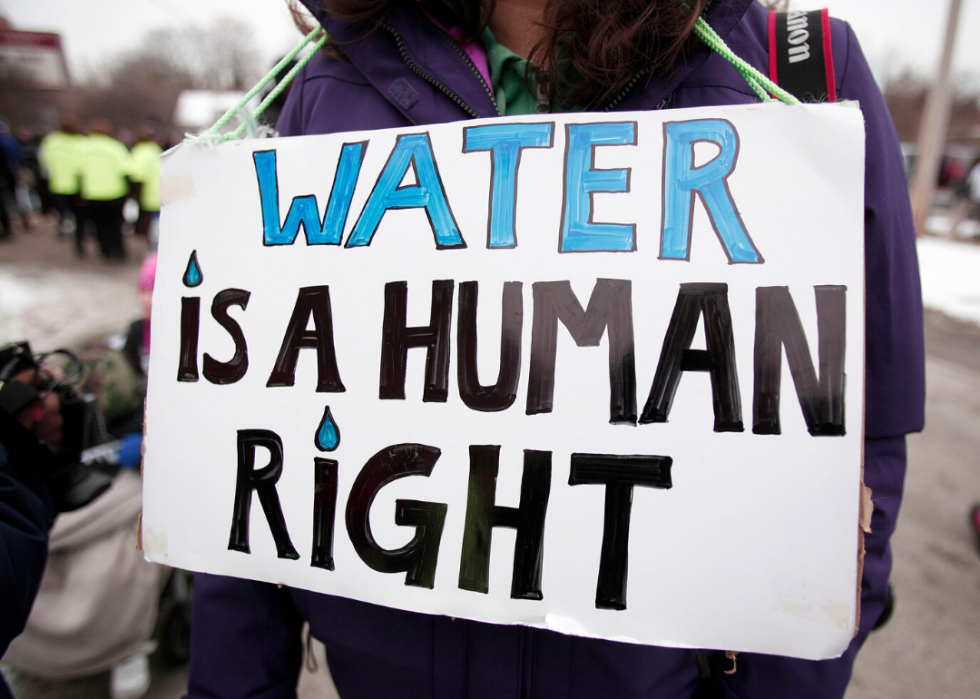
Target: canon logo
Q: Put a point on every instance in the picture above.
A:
(796, 26)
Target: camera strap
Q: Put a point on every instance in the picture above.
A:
(801, 57)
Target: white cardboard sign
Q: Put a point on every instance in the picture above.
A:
(598, 373)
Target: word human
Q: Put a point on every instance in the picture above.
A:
(413, 155)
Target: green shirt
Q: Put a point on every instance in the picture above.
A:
(507, 78)
(515, 88)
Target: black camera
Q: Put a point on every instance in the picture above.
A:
(72, 483)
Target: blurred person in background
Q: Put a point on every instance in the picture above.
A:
(26, 508)
(10, 160)
(105, 166)
(97, 602)
(118, 371)
(146, 178)
(59, 157)
(30, 139)
(967, 192)
(126, 136)
(28, 185)
(137, 344)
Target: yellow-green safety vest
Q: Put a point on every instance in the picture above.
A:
(104, 166)
(60, 155)
(146, 169)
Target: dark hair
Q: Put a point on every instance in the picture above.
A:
(591, 50)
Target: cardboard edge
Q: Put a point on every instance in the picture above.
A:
(139, 532)
(139, 520)
(865, 505)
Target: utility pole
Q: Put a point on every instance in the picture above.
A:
(935, 124)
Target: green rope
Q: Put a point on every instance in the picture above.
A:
(282, 85)
(317, 34)
(760, 84)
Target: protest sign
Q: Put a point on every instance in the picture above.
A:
(598, 373)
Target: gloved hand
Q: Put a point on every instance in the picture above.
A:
(130, 450)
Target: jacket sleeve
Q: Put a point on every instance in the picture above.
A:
(245, 640)
(26, 515)
(895, 384)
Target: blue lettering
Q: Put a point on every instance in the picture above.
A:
(411, 150)
(682, 180)
(303, 210)
(506, 142)
(578, 232)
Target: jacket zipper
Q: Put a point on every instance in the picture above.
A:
(417, 69)
(622, 93)
(629, 86)
(476, 71)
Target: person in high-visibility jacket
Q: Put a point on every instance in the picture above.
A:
(146, 172)
(59, 156)
(105, 167)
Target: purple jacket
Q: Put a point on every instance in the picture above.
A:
(246, 635)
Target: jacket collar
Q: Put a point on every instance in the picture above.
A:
(408, 46)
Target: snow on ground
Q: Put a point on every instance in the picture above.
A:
(54, 307)
(950, 272)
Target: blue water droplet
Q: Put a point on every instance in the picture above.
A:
(192, 275)
(327, 434)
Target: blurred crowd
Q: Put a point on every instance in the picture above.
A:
(100, 608)
(95, 179)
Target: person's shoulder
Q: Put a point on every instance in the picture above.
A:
(53, 138)
(146, 150)
(332, 95)
(324, 67)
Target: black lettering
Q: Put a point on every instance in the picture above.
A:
(619, 474)
(312, 301)
(190, 330)
(223, 373)
(419, 556)
(397, 339)
(482, 515)
(694, 301)
(777, 325)
(502, 394)
(263, 481)
(610, 307)
(324, 511)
